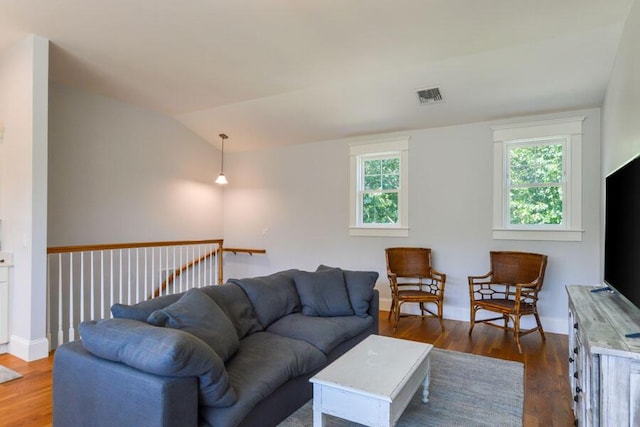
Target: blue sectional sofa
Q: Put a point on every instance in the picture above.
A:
(238, 354)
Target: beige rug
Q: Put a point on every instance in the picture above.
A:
(466, 390)
(7, 374)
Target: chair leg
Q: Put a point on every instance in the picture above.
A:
(516, 332)
(393, 304)
(396, 316)
(539, 326)
(440, 316)
(472, 321)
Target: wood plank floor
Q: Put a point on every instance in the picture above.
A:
(27, 401)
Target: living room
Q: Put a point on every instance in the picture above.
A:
(118, 172)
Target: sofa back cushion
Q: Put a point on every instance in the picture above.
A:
(323, 293)
(143, 309)
(360, 286)
(272, 296)
(199, 315)
(234, 302)
(161, 351)
(229, 297)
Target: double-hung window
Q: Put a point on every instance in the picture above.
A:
(537, 180)
(379, 189)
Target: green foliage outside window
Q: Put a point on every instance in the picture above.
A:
(381, 185)
(535, 176)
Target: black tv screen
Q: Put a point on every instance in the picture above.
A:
(622, 231)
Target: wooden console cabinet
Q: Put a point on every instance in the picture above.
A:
(604, 365)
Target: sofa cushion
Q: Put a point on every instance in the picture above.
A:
(161, 351)
(323, 293)
(262, 364)
(230, 297)
(143, 309)
(199, 315)
(272, 296)
(234, 302)
(360, 286)
(324, 333)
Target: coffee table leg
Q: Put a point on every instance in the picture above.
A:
(318, 418)
(425, 385)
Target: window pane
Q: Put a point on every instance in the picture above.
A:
(536, 205)
(372, 182)
(390, 182)
(535, 164)
(380, 208)
(372, 167)
(391, 166)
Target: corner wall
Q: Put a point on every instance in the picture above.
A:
(621, 109)
(119, 173)
(24, 83)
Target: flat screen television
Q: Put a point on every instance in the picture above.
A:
(622, 231)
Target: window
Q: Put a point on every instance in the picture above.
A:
(379, 189)
(537, 180)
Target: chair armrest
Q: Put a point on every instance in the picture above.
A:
(480, 279)
(91, 391)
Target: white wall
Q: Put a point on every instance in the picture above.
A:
(621, 110)
(293, 201)
(24, 111)
(118, 173)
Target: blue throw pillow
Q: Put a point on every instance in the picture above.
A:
(273, 296)
(143, 309)
(360, 286)
(323, 293)
(199, 315)
(161, 351)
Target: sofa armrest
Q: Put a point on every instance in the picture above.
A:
(88, 390)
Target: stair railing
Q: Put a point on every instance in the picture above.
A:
(85, 281)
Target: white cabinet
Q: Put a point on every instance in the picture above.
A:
(4, 304)
(604, 365)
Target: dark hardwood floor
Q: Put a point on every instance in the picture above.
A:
(27, 401)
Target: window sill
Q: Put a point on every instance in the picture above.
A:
(379, 232)
(552, 235)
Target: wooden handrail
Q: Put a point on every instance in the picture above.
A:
(172, 277)
(236, 251)
(108, 246)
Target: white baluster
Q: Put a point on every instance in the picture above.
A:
(60, 296)
(72, 332)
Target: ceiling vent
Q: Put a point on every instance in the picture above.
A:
(429, 96)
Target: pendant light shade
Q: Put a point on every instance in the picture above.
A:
(221, 178)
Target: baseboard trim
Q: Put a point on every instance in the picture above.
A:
(29, 350)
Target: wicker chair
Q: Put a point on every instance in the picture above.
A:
(413, 279)
(511, 289)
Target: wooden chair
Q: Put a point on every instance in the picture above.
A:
(413, 279)
(511, 289)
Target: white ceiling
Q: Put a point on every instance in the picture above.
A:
(269, 72)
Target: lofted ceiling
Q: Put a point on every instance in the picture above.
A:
(271, 72)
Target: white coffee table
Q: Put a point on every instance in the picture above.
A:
(372, 383)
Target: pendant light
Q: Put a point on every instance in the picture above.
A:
(221, 178)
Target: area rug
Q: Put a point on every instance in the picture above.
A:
(7, 374)
(465, 390)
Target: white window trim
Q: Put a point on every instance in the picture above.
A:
(396, 145)
(572, 228)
